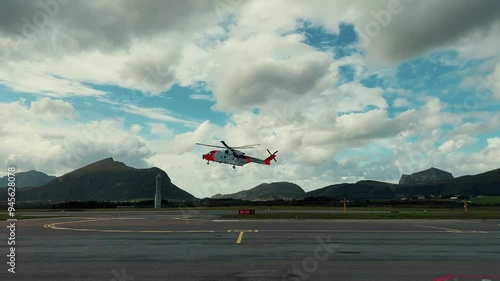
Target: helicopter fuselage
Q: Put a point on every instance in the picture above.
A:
(234, 157)
(237, 157)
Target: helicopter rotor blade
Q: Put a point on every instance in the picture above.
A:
(247, 146)
(209, 145)
(227, 146)
(238, 147)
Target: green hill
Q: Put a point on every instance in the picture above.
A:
(28, 179)
(267, 191)
(359, 190)
(105, 180)
(482, 184)
(430, 175)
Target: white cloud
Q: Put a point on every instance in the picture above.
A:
(28, 77)
(400, 102)
(253, 61)
(185, 143)
(355, 97)
(201, 97)
(159, 129)
(52, 109)
(473, 163)
(495, 79)
(480, 43)
(263, 67)
(63, 145)
(394, 36)
(458, 142)
(485, 123)
(154, 113)
(136, 128)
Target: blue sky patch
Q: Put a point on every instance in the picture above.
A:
(342, 44)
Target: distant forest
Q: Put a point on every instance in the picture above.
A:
(204, 203)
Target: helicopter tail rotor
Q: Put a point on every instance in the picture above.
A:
(272, 156)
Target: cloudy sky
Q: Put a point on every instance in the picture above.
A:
(345, 90)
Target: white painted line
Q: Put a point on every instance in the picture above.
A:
(441, 228)
(453, 230)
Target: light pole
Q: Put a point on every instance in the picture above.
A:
(158, 192)
(466, 206)
(345, 206)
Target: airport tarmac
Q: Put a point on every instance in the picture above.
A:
(199, 245)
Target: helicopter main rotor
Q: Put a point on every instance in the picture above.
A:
(229, 147)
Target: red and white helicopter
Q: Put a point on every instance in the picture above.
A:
(232, 156)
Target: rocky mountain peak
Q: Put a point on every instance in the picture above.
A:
(429, 175)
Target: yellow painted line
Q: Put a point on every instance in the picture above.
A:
(240, 237)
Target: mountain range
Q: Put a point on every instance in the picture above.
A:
(105, 180)
(429, 175)
(482, 184)
(109, 180)
(428, 183)
(30, 178)
(267, 191)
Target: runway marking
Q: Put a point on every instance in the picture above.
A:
(188, 219)
(452, 230)
(59, 226)
(240, 237)
(351, 231)
(56, 227)
(441, 228)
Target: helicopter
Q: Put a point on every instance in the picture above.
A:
(232, 156)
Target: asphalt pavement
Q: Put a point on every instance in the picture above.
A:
(199, 245)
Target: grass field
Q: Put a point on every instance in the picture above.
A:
(295, 212)
(5, 217)
(458, 208)
(442, 214)
(486, 200)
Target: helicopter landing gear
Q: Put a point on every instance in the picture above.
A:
(234, 167)
(208, 163)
